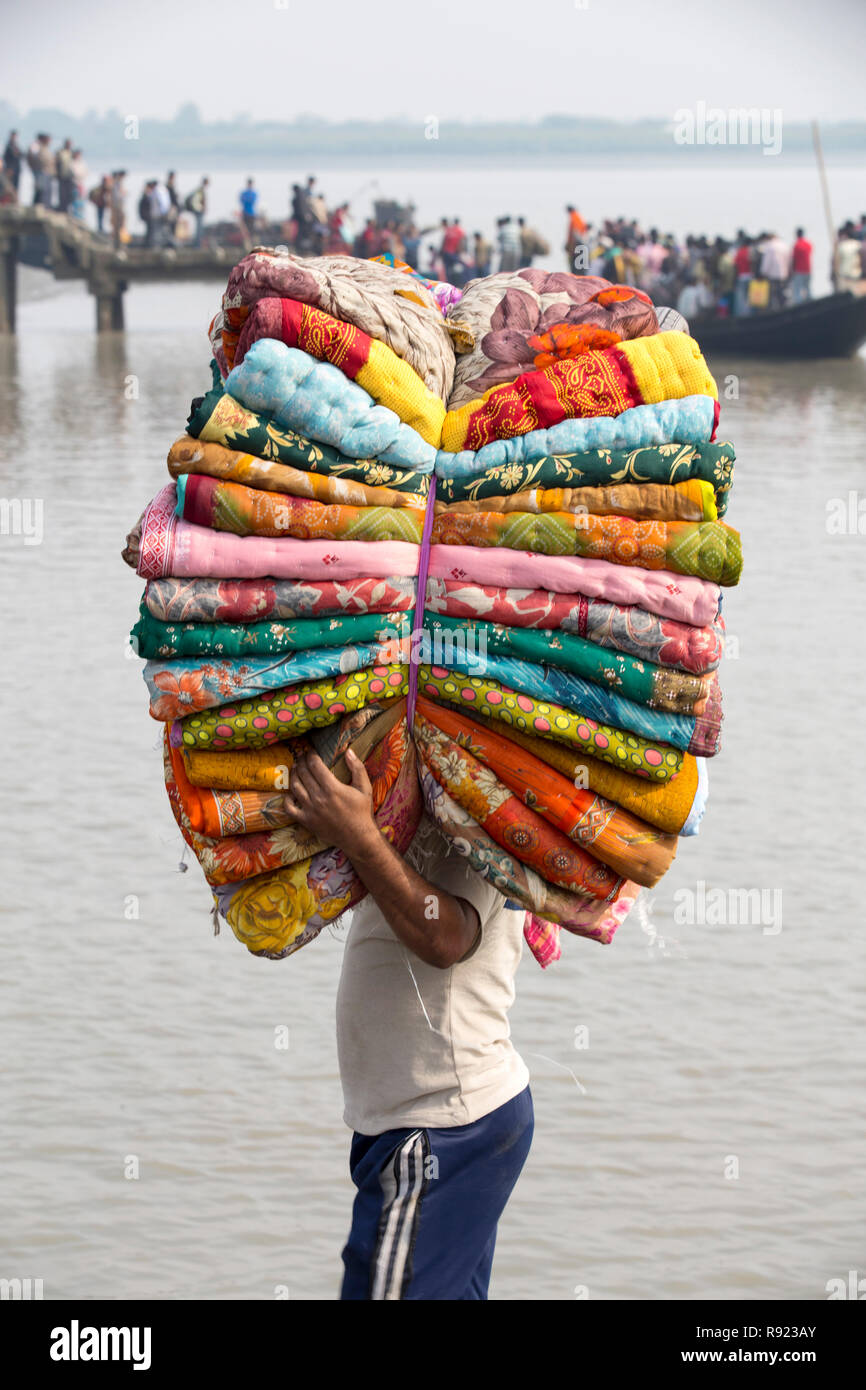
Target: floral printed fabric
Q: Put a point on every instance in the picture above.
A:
(632, 847)
(581, 916)
(660, 463)
(621, 627)
(246, 601)
(519, 319)
(184, 685)
(150, 638)
(247, 511)
(689, 421)
(388, 380)
(188, 455)
(655, 686)
(389, 304)
(668, 805)
(275, 914)
(665, 367)
(514, 826)
(316, 399)
(237, 856)
(218, 418)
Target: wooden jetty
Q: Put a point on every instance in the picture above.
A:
(75, 252)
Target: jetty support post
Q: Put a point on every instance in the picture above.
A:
(108, 290)
(8, 282)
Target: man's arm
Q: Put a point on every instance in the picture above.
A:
(438, 927)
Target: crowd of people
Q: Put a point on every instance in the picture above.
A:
(444, 250)
(700, 276)
(60, 183)
(751, 274)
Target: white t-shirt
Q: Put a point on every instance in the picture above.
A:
(419, 1045)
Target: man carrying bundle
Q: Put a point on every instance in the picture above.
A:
(438, 1098)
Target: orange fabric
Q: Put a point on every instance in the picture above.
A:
(631, 846)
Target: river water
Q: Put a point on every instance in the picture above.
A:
(696, 1083)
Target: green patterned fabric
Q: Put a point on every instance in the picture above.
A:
(658, 687)
(151, 638)
(663, 463)
(219, 418)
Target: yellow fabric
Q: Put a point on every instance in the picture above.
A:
(668, 366)
(665, 805)
(609, 381)
(693, 500)
(392, 382)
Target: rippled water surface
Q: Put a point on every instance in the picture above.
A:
(708, 1140)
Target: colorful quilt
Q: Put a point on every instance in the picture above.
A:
(634, 848)
(690, 501)
(390, 305)
(517, 881)
(508, 821)
(247, 511)
(151, 638)
(317, 400)
(268, 719)
(689, 421)
(383, 375)
(188, 455)
(710, 549)
(217, 418)
(645, 371)
(621, 627)
(252, 600)
(656, 463)
(522, 320)
(488, 698)
(658, 687)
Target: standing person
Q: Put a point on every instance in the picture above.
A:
(196, 203)
(100, 197)
(508, 240)
(12, 157)
(743, 272)
(119, 233)
(78, 207)
(776, 267)
(249, 201)
(453, 242)
(575, 234)
(482, 254)
(173, 205)
(847, 267)
(436, 1095)
(147, 211)
(801, 268)
(65, 181)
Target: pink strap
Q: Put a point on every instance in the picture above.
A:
(420, 600)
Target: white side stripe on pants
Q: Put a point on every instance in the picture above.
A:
(402, 1180)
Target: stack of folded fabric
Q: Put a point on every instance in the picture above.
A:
(496, 575)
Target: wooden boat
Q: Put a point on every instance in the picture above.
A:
(834, 326)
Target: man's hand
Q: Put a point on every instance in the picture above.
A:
(338, 814)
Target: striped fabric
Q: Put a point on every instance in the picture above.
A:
(403, 1181)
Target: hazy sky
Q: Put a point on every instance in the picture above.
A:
(465, 59)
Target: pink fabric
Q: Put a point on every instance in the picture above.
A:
(170, 546)
(542, 938)
(679, 596)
